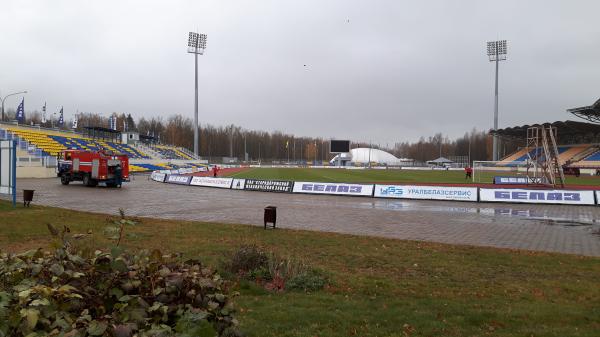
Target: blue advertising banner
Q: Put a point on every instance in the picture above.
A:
(511, 180)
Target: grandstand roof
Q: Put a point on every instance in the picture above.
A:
(590, 113)
(101, 128)
(565, 130)
(441, 160)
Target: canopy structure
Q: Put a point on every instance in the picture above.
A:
(568, 132)
(362, 156)
(440, 161)
(590, 113)
(99, 132)
(148, 139)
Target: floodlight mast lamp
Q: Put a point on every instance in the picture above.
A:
(5, 97)
(196, 46)
(496, 51)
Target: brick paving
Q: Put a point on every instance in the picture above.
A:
(552, 228)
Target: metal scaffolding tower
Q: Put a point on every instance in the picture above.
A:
(543, 165)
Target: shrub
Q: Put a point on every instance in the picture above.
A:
(245, 259)
(260, 274)
(272, 271)
(310, 280)
(111, 294)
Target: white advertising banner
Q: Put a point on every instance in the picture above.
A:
(186, 170)
(175, 179)
(7, 166)
(333, 188)
(238, 184)
(212, 182)
(426, 192)
(567, 197)
(157, 176)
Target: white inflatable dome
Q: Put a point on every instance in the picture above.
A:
(361, 156)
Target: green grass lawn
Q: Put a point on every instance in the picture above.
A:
(379, 287)
(382, 176)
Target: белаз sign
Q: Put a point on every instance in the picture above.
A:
(536, 196)
(333, 188)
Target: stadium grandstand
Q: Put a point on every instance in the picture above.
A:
(41, 144)
(172, 152)
(578, 142)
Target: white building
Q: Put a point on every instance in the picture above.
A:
(362, 156)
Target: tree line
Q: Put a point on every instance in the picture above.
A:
(475, 145)
(235, 141)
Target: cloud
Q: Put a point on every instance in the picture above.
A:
(386, 71)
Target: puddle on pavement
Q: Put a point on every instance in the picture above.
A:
(543, 215)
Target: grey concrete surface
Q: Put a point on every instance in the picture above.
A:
(552, 228)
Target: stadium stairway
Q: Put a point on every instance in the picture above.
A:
(172, 152)
(591, 160)
(571, 152)
(513, 157)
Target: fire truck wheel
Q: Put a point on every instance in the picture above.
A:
(86, 180)
(64, 180)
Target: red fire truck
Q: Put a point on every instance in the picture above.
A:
(93, 167)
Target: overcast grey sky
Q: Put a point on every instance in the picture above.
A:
(385, 71)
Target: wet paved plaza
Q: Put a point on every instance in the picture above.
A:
(566, 229)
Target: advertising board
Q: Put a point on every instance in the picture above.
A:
(511, 180)
(426, 192)
(185, 170)
(8, 160)
(157, 176)
(567, 197)
(238, 184)
(333, 188)
(268, 185)
(211, 182)
(177, 179)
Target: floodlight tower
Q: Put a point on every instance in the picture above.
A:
(496, 51)
(196, 46)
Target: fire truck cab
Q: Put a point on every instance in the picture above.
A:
(92, 167)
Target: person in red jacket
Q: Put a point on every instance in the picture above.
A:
(468, 172)
(214, 171)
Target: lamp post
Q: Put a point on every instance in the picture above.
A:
(196, 46)
(496, 51)
(5, 97)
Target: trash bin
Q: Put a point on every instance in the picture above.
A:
(27, 197)
(270, 215)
